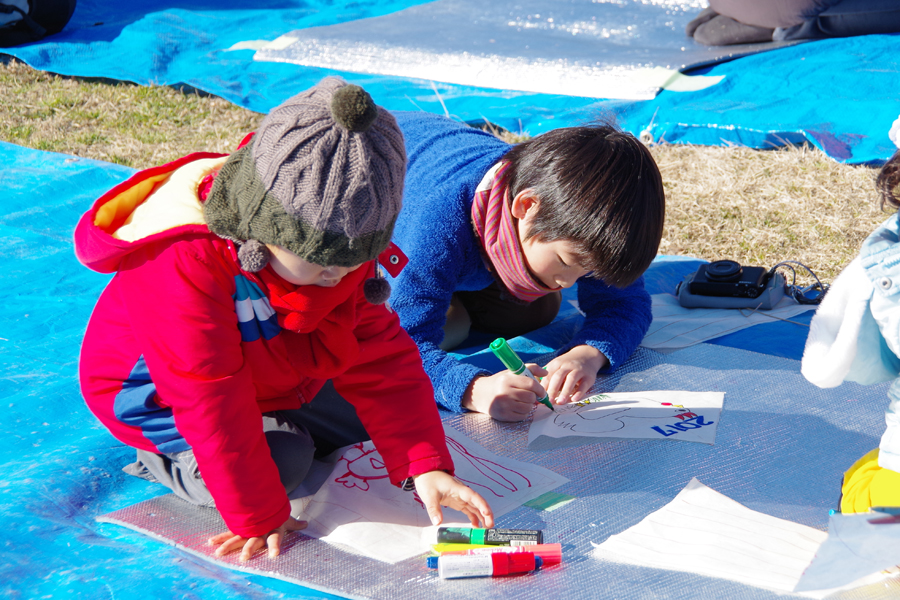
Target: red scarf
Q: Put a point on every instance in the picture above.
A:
(496, 230)
(318, 321)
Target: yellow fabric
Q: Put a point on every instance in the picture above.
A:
(173, 203)
(116, 210)
(866, 484)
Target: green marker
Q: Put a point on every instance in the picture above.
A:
(512, 362)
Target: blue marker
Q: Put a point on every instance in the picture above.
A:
(511, 361)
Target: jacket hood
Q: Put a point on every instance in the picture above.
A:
(149, 206)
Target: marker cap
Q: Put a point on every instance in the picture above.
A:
(506, 354)
(514, 562)
(550, 554)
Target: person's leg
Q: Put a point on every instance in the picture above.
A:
(177, 471)
(290, 444)
(492, 311)
(725, 31)
(769, 14)
(705, 15)
(845, 19)
(456, 326)
(331, 421)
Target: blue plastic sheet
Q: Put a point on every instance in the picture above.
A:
(839, 95)
(59, 467)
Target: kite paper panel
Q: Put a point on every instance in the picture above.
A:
(358, 507)
(702, 531)
(671, 415)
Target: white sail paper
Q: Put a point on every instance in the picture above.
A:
(673, 415)
(701, 531)
(359, 508)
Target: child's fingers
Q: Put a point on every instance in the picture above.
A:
(230, 545)
(220, 538)
(474, 516)
(537, 370)
(569, 387)
(485, 514)
(250, 548)
(430, 498)
(273, 543)
(555, 384)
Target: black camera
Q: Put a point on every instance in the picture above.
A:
(726, 278)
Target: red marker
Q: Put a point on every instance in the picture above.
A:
(550, 554)
(487, 565)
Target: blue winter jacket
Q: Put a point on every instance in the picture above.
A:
(447, 161)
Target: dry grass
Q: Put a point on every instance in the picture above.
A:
(756, 207)
(121, 123)
(764, 207)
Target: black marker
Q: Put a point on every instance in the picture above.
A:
(489, 537)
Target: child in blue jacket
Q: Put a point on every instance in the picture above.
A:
(495, 231)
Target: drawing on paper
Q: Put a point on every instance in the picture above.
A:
(687, 416)
(359, 507)
(503, 480)
(362, 466)
(600, 414)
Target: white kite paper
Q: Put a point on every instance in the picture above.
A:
(358, 507)
(701, 531)
(672, 415)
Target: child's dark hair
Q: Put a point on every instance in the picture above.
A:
(888, 182)
(600, 189)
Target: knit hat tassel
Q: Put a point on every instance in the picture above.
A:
(253, 256)
(376, 289)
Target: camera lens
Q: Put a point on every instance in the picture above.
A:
(723, 270)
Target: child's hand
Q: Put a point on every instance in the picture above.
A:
(572, 374)
(229, 542)
(504, 396)
(437, 488)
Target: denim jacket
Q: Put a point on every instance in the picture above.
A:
(855, 334)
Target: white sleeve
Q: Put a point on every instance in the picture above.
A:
(844, 341)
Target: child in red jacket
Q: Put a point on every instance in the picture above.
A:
(243, 284)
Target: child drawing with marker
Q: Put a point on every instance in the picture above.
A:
(247, 309)
(495, 232)
(855, 336)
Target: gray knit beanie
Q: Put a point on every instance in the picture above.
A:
(323, 177)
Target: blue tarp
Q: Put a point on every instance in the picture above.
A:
(839, 95)
(59, 467)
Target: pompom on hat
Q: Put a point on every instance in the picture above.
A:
(322, 177)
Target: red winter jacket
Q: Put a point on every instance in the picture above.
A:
(183, 351)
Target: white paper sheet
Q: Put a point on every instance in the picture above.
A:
(672, 415)
(358, 507)
(676, 327)
(701, 531)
